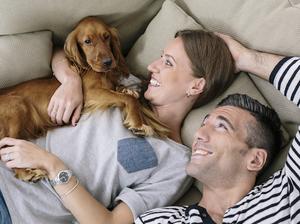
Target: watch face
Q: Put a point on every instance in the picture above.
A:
(63, 177)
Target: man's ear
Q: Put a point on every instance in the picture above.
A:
(197, 86)
(257, 158)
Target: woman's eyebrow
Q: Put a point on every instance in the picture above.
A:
(169, 56)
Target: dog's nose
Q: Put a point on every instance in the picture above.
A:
(107, 62)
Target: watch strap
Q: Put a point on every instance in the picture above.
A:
(63, 177)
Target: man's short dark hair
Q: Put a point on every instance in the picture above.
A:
(265, 133)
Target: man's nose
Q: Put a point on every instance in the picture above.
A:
(202, 134)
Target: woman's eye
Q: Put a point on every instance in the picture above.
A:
(168, 63)
(87, 41)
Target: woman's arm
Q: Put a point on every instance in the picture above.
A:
(67, 101)
(82, 205)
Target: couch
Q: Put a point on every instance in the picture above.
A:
(29, 29)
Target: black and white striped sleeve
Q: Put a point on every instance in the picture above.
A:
(286, 78)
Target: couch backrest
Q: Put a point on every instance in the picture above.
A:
(60, 16)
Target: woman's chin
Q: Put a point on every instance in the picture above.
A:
(147, 94)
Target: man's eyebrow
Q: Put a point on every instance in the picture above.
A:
(206, 116)
(225, 119)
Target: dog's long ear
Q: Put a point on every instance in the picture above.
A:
(116, 49)
(73, 52)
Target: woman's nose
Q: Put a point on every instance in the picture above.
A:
(154, 66)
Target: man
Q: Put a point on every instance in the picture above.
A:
(234, 144)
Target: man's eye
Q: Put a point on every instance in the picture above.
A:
(223, 126)
(87, 41)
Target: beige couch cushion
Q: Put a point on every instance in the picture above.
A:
(24, 56)
(161, 29)
(130, 17)
(271, 26)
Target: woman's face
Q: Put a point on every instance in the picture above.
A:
(171, 75)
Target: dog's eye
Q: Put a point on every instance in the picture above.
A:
(106, 36)
(87, 41)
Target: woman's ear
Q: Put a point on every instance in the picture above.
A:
(257, 159)
(197, 86)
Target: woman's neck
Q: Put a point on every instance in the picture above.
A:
(173, 117)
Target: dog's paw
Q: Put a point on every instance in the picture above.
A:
(129, 92)
(30, 175)
(144, 130)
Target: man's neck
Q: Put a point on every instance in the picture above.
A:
(217, 201)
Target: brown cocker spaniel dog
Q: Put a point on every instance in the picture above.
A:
(93, 50)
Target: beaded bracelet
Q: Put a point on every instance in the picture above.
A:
(71, 190)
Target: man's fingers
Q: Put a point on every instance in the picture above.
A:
(225, 37)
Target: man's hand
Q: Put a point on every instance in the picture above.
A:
(249, 60)
(238, 51)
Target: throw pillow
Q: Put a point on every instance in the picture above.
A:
(24, 57)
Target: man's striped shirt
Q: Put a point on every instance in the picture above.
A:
(275, 201)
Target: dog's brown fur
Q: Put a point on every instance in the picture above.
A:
(93, 50)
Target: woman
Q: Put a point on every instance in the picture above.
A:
(120, 176)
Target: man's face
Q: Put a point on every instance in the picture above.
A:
(219, 150)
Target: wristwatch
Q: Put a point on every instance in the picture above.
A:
(63, 177)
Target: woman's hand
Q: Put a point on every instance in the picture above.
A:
(18, 153)
(67, 101)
